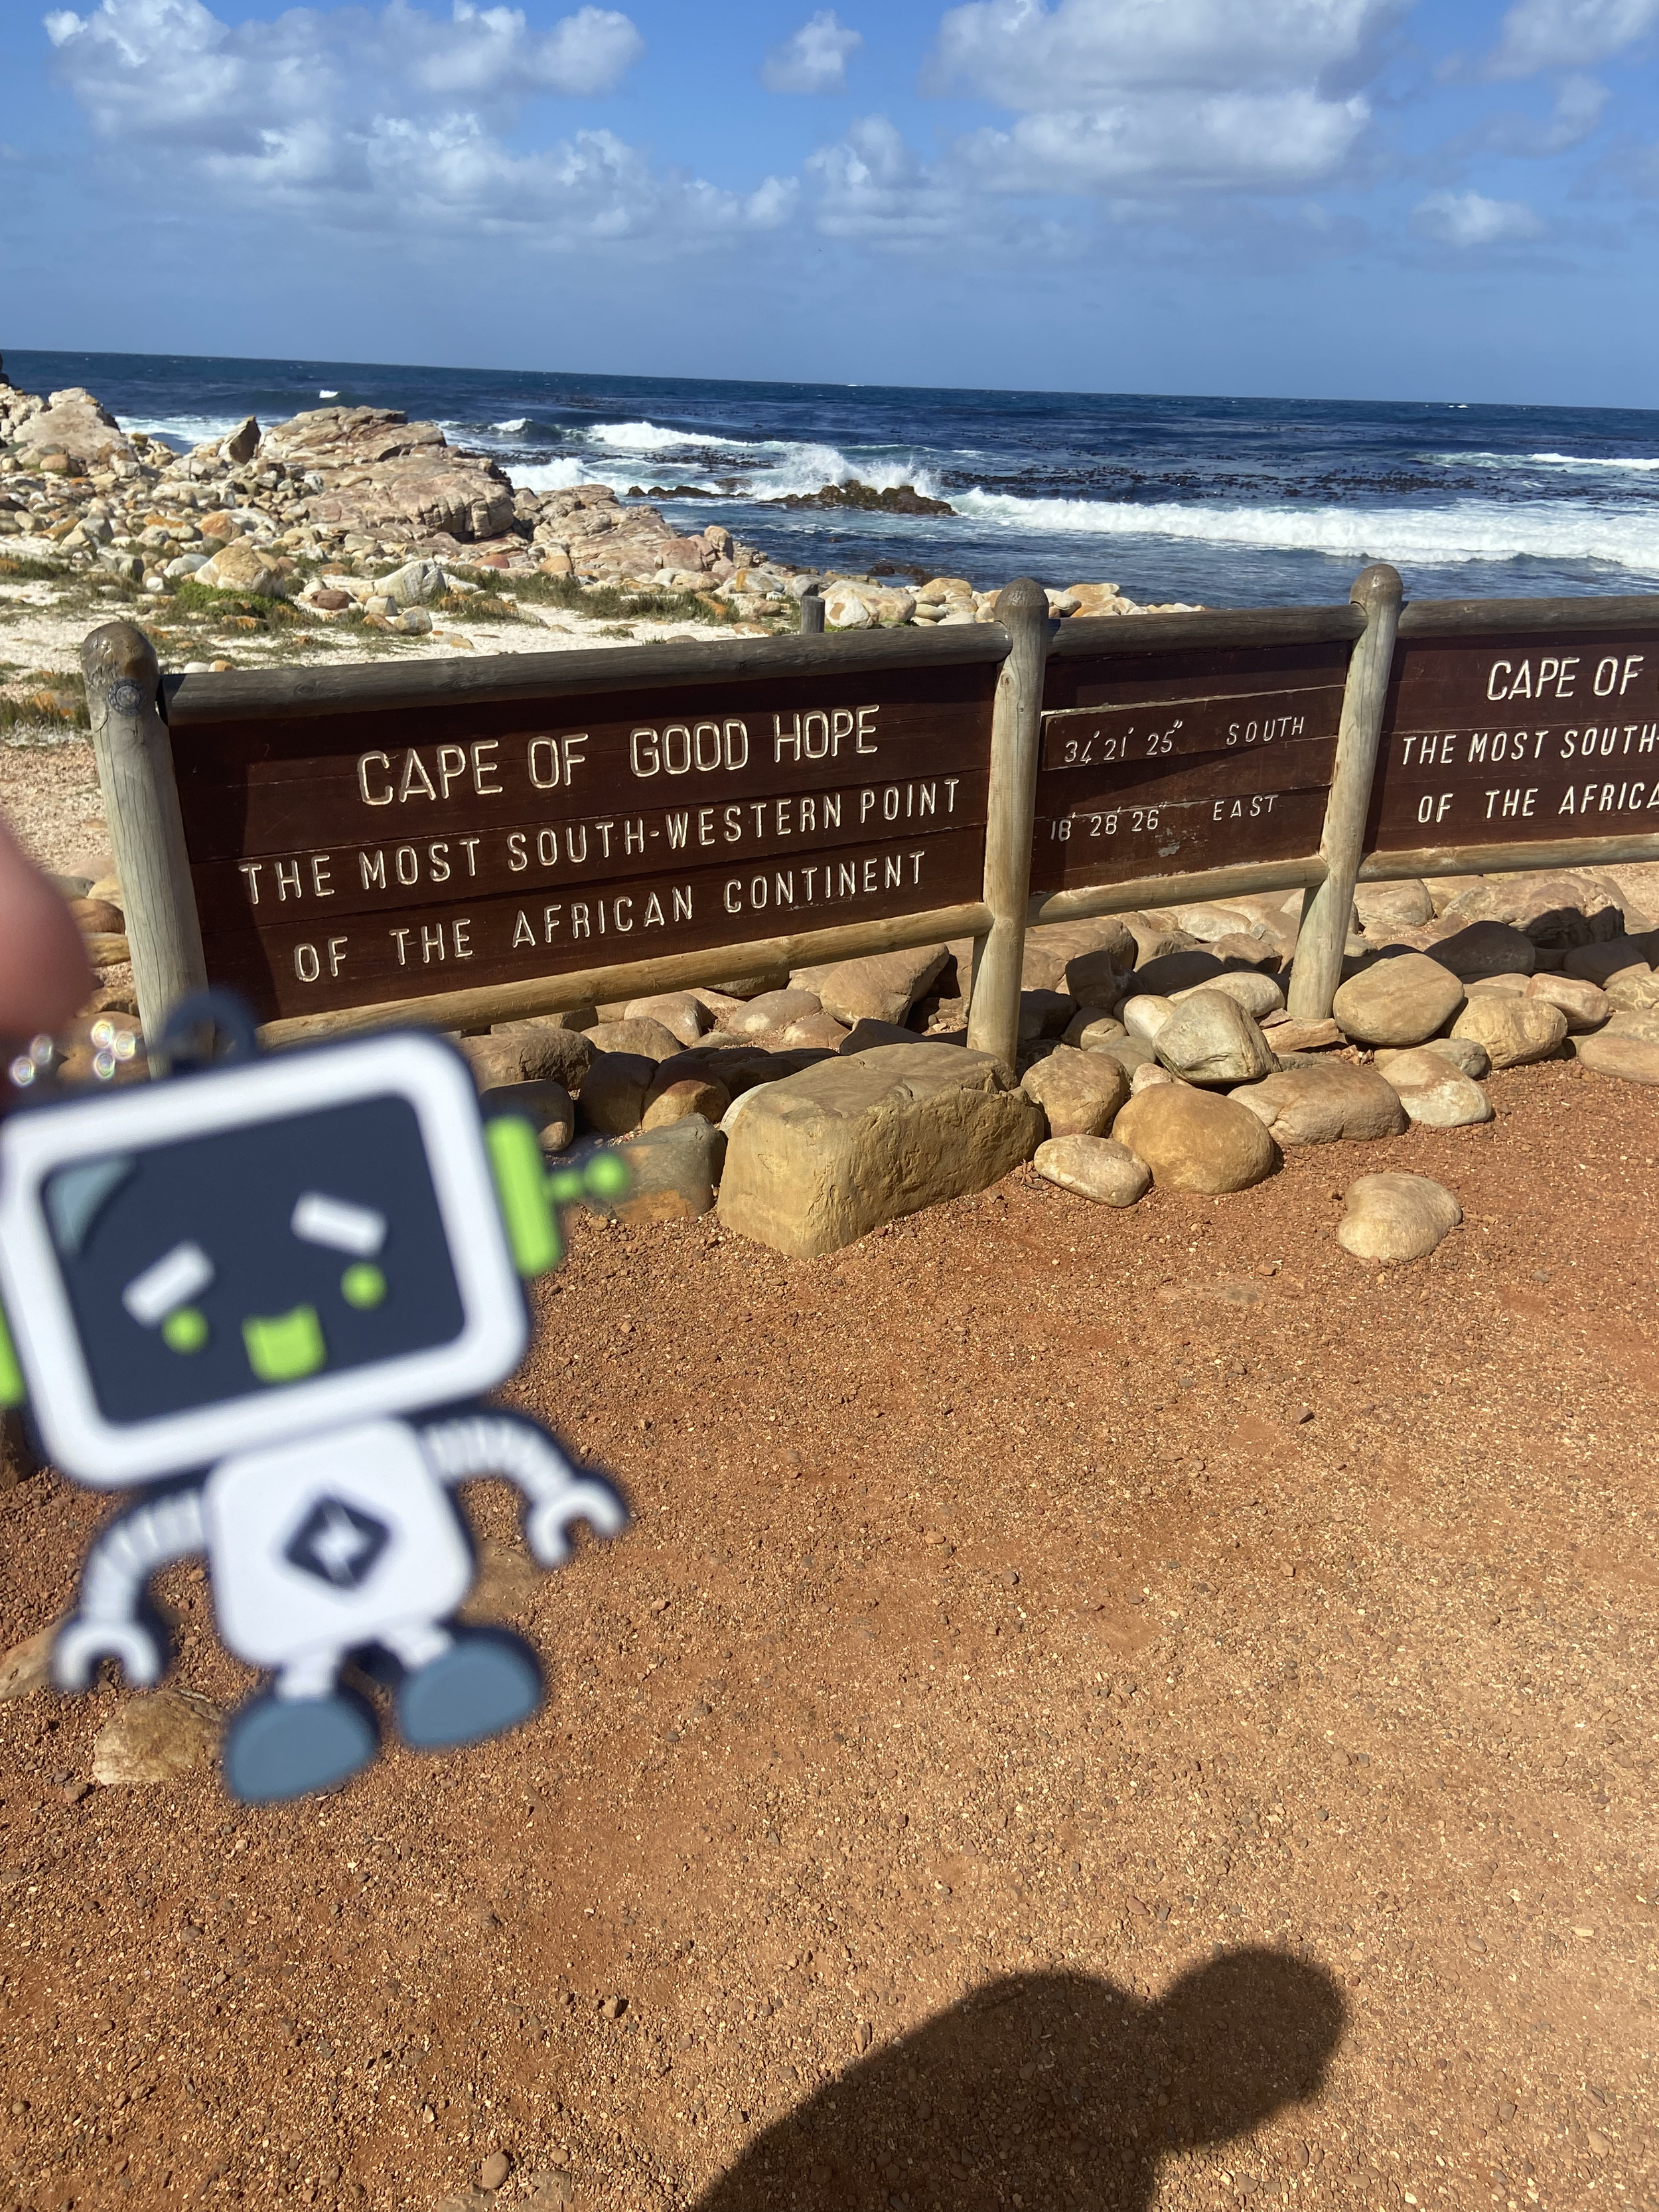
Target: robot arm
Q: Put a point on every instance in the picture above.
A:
(501, 1443)
(111, 1622)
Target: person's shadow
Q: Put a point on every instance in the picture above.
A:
(1053, 2090)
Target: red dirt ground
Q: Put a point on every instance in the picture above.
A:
(1095, 1710)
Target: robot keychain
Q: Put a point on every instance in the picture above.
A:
(236, 1288)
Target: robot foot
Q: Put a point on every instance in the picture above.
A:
(279, 1748)
(486, 1681)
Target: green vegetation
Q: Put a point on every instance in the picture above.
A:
(233, 609)
(14, 568)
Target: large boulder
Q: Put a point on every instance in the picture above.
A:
(1486, 948)
(641, 1034)
(1396, 1217)
(1434, 1092)
(1632, 1059)
(1098, 1167)
(1146, 1013)
(1383, 907)
(1398, 1001)
(240, 567)
(1096, 948)
(1195, 1140)
(1584, 1004)
(1598, 963)
(613, 1092)
(1512, 1028)
(1325, 1101)
(1175, 971)
(771, 1010)
(1635, 990)
(680, 1014)
(1555, 908)
(539, 1050)
(881, 988)
(674, 1171)
(1210, 1039)
(1464, 1054)
(1258, 994)
(381, 472)
(831, 1153)
(545, 1104)
(72, 421)
(1081, 1093)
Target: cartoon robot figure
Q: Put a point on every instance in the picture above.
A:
(234, 1287)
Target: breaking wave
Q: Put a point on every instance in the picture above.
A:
(1475, 531)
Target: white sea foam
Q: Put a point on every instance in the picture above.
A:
(326, 394)
(186, 430)
(1590, 461)
(1475, 530)
(640, 438)
(510, 428)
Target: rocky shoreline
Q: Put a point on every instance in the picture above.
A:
(356, 512)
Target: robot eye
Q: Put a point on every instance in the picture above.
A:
(339, 1224)
(172, 1280)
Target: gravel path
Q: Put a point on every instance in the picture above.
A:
(1096, 1709)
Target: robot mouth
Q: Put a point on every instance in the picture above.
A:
(284, 1347)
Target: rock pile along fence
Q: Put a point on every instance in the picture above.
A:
(463, 845)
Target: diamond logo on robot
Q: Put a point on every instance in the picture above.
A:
(338, 1543)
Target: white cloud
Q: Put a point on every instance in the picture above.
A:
(872, 186)
(815, 59)
(1541, 34)
(1575, 116)
(1471, 220)
(1262, 142)
(1165, 95)
(389, 121)
(1023, 54)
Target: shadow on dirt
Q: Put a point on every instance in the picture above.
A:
(1057, 2089)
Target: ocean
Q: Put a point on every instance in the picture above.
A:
(1225, 502)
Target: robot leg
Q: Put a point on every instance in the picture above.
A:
(302, 1735)
(461, 1684)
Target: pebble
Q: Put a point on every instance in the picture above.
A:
(158, 1737)
(494, 2170)
(27, 1666)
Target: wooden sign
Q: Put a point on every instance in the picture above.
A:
(360, 856)
(1518, 739)
(1170, 763)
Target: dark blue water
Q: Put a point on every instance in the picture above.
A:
(1230, 503)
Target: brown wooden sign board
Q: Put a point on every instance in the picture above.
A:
(1518, 739)
(360, 857)
(1172, 764)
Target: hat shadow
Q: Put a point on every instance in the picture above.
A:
(1058, 2089)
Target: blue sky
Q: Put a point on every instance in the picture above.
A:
(1344, 198)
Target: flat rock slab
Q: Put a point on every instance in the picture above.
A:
(1195, 1140)
(1486, 948)
(1396, 1217)
(650, 1039)
(1434, 1093)
(824, 1157)
(1097, 1168)
(1081, 1093)
(1304, 1036)
(1398, 1001)
(1512, 1028)
(542, 1049)
(1324, 1102)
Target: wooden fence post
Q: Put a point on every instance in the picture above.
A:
(812, 611)
(147, 831)
(1317, 968)
(1016, 732)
